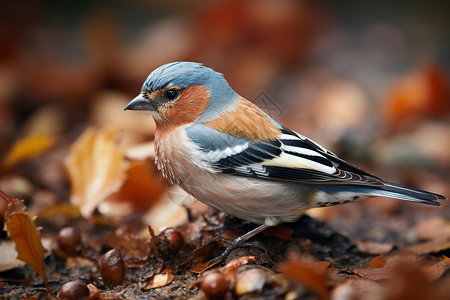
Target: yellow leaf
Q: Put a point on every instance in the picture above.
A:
(28, 147)
(96, 169)
(22, 230)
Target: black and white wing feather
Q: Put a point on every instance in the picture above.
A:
(292, 157)
(295, 158)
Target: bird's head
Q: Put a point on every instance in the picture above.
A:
(184, 92)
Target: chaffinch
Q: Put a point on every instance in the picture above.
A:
(226, 152)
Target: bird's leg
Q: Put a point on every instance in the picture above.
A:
(240, 241)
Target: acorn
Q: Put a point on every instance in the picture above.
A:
(69, 240)
(73, 290)
(174, 238)
(214, 285)
(112, 267)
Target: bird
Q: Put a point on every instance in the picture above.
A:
(229, 154)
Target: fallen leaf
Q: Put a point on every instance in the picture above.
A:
(3, 284)
(142, 188)
(408, 283)
(403, 257)
(205, 251)
(423, 92)
(22, 230)
(373, 248)
(27, 147)
(141, 152)
(377, 262)
(161, 279)
(375, 274)
(282, 232)
(202, 267)
(430, 247)
(234, 264)
(231, 268)
(128, 244)
(96, 169)
(436, 228)
(309, 273)
(62, 209)
(153, 245)
(165, 213)
(107, 109)
(438, 269)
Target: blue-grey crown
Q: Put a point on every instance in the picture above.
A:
(185, 74)
(181, 74)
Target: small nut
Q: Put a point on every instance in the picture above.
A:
(73, 290)
(112, 267)
(69, 240)
(250, 281)
(175, 239)
(214, 285)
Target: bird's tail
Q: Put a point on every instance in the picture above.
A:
(398, 191)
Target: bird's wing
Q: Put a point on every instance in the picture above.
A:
(291, 157)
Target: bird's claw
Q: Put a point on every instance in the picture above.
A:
(219, 239)
(232, 244)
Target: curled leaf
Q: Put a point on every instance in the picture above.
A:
(161, 279)
(22, 230)
(28, 147)
(96, 169)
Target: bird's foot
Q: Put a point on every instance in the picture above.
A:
(232, 244)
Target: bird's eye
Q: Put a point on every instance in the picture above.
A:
(171, 94)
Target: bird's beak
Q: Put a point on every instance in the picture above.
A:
(140, 103)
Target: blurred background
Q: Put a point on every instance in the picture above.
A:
(369, 80)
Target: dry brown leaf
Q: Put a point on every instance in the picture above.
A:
(409, 282)
(436, 228)
(375, 274)
(161, 279)
(309, 273)
(153, 245)
(28, 147)
(96, 169)
(402, 263)
(205, 251)
(233, 265)
(430, 247)
(373, 248)
(282, 232)
(377, 262)
(128, 244)
(423, 92)
(438, 269)
(62, 209)
(202, 267)
(231, 268)
(142, 188)
(400, 258)
(22, 230)
(142, 151)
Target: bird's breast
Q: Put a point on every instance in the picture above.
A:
(177, 156)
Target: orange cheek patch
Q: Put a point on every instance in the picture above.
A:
(246, 121)
(192, 103)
